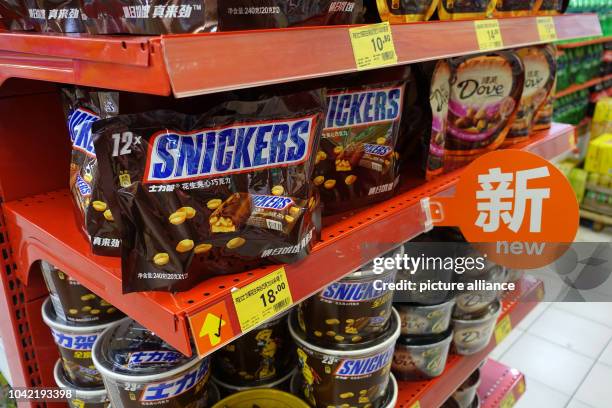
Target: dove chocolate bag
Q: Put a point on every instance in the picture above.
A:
(540, 70)
(213, 193)
(485, 91)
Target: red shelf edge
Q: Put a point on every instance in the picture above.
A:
(500, 385)
(205, 63)
(433, 393)
(38, 229)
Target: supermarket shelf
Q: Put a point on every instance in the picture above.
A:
(204, 63)
(500, 385)
(576, 44)
(579, 87)
(516, 305)
(43, 227)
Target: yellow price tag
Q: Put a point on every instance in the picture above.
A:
(262, 299)
(540, 292)
(488, 34)
(373, 46)
(508, 401)
(521, 387)
(503, 328)
(546, 28)
(416, 405)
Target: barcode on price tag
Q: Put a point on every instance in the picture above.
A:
(546, 28)
(262, 299)
(488, 34)
(373, 46)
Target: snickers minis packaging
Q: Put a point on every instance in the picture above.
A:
(82, 108)
(14, 16)
(215, 193)
(357, 163)
(58, 16)
(193, 16)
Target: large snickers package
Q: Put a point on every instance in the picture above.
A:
(191, 16)
(357, 161)
(60, 16)
(14, 16)
(82, 108)
(213, 193)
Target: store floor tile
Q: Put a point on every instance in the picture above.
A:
(571, 331)
(501, 348)
(606, 356)
(533, 315)
(600, 312)
(548, 363)
(540, 395)
(574, 403)
(596, 389)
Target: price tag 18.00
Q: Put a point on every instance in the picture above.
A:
(373, 46)
(546, 28)
(262, 299)
(488, 34)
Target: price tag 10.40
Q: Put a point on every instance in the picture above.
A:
(262, 299)
(488, 34)
(373, 46)
(546, 28)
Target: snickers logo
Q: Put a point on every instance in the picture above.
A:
(79, 128)
(358, 291)
(271, 202)
(206, 153)
(142, 358)
(83, 186)
(377, 150)
(362, 108)
(175, 386)
(364, 366)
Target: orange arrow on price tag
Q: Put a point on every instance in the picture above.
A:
(211, 327)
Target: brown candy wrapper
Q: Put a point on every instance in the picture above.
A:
(14, 16)
(405, 11)
(59, 16)
(357, 161)
(82, 108)
(191, 16)
(215, 193)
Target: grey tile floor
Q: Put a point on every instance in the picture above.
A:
(564, 350)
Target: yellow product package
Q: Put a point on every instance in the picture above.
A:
(465, 9)
(405, 11)
(514, 8)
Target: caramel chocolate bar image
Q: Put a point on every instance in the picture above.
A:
(275, 212)
(231, 214)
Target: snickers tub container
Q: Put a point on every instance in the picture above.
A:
(353, 310)
(80, 397)
(347, 375)
(75, 342)
(140, 369)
